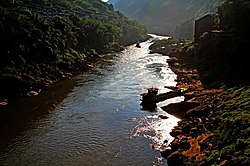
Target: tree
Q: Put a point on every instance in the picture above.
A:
(233, 15)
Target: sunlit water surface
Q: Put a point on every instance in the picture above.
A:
(95, 118)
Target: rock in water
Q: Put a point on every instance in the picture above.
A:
(32, 93)
(4, 102)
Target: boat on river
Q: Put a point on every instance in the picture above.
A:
(149, 99)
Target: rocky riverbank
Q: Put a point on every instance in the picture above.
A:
(204, 136)
(34, 79)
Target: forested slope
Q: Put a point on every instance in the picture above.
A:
(41, 41)
(171, 17)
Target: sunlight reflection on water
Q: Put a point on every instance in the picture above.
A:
(100, 122)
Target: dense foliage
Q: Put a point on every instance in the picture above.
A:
(233, 15)
(38, 47)
(233, 133)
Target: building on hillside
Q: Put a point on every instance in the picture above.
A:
(50, 12)
(204, 24)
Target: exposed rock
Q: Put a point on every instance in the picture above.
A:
(28, 77)
(175, 133)
(166, 152)
(3, 102)
(186, 128)
(199, 111)
(175, 145)
(179, 109)
(163, 117)
(224, 163)
(168, 95)
(69, 75)
(194, 138)
(175, 158)
(172, 87)
(184, 144)
(188, 96)
(32, 93)
(90, 65)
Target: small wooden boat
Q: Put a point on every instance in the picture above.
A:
(149, 99)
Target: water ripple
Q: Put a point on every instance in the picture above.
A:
(100, 122)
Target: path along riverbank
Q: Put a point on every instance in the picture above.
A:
(214, 126)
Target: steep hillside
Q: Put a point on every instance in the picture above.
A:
(174, 17)
(43, 41)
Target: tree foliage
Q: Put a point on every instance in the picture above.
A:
(26, 36)
(234, 14)
(31, 42)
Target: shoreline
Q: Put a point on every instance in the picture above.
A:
(194, 134)
(33, 85)
(28, 84)
(201, 113)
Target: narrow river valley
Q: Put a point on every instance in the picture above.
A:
(94, 118)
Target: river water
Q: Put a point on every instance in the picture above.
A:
(94, 118)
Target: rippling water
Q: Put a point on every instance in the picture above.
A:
(93, 119)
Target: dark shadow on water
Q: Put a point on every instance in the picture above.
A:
(149, 107)
(23, 114)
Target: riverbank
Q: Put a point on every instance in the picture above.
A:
(34, 79)
(214, 119)
(97, 119)
(37, 50)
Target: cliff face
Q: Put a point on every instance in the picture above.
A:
(171, 17)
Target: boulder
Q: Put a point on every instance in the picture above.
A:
(186, 128)
(175, 133)
(224, 163)
(163, 117)
(179, 109)
(166, 152)
(32, 93)
(199, 111)
(168, 95)
(176, 158)
(175, 145)
(3, 102)
(185, 145)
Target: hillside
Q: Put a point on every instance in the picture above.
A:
(169, 17)
(42, 42)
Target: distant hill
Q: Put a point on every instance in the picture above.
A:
(169, 17)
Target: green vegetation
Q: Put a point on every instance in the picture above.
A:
(233, 14)
(35, 49)
(222, 61)
(233, 134)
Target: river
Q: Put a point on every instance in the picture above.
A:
(94, 118)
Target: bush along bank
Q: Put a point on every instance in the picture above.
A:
(36, 51)
(214, 126)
